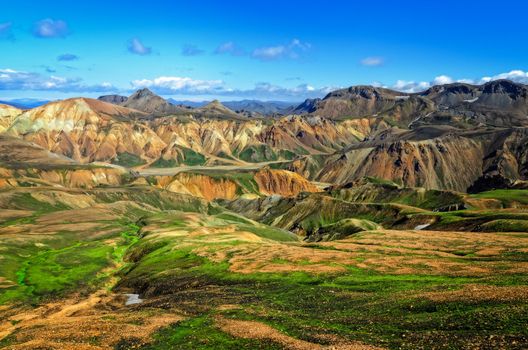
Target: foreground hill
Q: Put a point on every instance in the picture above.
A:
(145, 268)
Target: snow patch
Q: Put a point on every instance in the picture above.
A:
(133, 299)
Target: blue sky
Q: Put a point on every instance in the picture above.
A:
(272, 50)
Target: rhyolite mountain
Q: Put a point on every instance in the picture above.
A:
(242, 107)
(146, 101)
(252, 106)
(7, 116)
(457, 136)
(261, 107)
(499, 103)
(154, 105)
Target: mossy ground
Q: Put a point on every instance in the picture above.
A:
(359, 304)
(396, 289)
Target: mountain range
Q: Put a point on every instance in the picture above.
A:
(170, 105)
(425, 139)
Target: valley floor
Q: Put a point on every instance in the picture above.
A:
(212, 279)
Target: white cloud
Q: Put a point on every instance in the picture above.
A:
(372, 61)
(135, 46)
(517, 76)
(269, 53)
(189, 86)
(410, 86)
(292, 50)
(178, 84)
(50, 28)
(14, 80)
(442, 80)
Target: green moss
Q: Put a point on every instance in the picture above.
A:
(201, 333)
(258, 154)
(507, 197)
(165, 163)
(26, 201)
(503, 225)
(128, 160)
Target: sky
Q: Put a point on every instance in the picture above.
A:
(268, 50)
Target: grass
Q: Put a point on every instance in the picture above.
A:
(507, 197)
(128, 160)
(359, 302)
(360, 305)
(187, 157)
(201, 333)
(62, 265)
(257, 154)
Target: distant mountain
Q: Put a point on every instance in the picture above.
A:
(25, 103)
(215, 109)
(248, 107)
(115, 99)
(187, 103)
(496, 103)
(146, 101)
(308, 106)
(261, 107)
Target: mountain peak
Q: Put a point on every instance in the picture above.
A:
(215, 104)
(503, 86)
(141, 93)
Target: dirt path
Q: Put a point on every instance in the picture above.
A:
(177, 170)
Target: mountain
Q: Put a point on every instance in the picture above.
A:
(114, 99)
(146, 101)
(86, 130)
(118, 224)
(434, 157)
(187, 103)
(500, 103)
(215, 109)
(7, 116)
(261, 107)
(308, 106)
(458, 136)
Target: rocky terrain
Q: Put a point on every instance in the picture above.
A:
(369, 219)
